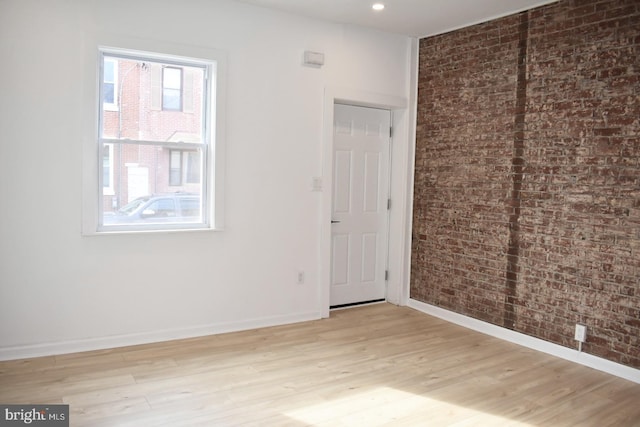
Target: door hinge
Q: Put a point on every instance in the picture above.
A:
(390, 131)
(388, 204)
(386, 275)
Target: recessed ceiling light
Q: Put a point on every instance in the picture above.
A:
(377, 6)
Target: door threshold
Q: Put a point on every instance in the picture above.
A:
(356, 304)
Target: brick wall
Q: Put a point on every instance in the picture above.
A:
(527, 184)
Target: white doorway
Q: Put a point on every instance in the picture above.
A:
(360, 194)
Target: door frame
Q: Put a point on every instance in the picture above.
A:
(401, 176)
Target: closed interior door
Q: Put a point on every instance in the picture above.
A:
(360, 208)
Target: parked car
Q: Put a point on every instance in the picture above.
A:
(157, 208)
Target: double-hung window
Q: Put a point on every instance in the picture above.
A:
(172, 88)
(154, 142)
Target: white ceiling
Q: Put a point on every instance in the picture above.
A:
(416, 18)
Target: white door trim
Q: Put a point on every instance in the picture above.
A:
(399, 193)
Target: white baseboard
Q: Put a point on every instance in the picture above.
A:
(572, 355)
(89, 344)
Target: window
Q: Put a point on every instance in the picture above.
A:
(193, 167)
(172, 88)
(184, 167)
(190, 206)
(175, 168)
(137, 141)
(161, 208)
(109, 83)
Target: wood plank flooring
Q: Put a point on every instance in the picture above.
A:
(378, 365)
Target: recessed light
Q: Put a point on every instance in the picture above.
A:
(377, 6)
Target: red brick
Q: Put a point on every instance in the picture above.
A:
(551, 226)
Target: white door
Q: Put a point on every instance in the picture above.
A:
(359, 227)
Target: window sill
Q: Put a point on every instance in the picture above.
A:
(150, 231)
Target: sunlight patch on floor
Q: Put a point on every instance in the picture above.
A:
(383, 405)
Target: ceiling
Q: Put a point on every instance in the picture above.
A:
(416, 18)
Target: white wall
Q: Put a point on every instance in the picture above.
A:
(62, 291)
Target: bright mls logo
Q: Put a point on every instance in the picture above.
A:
(35, 415)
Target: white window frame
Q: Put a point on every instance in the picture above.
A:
(214, 172)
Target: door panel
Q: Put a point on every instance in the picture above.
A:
(340, 259)
(371, 182)
(360, 192)
(369, 257)
(342, 193)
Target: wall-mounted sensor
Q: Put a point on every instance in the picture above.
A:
(313, 59)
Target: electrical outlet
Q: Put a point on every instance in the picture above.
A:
(581, 333)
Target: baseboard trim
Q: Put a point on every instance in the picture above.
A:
(90, 344)
(572, 355)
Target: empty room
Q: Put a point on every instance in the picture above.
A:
(445, 231)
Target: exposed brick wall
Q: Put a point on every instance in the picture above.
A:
(467, 97)
(527, 188)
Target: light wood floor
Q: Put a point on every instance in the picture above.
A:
(368, 366)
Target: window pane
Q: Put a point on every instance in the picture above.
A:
(142, 194)
(175, 168)
(171, 99)
(172, 78)
(172, 89)
(109, 71)
(190, 206)
(109, 82)
(160, 208)
(106, 167)
(144, 89)
(194, 165)
(108, 93)
(153, 123)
